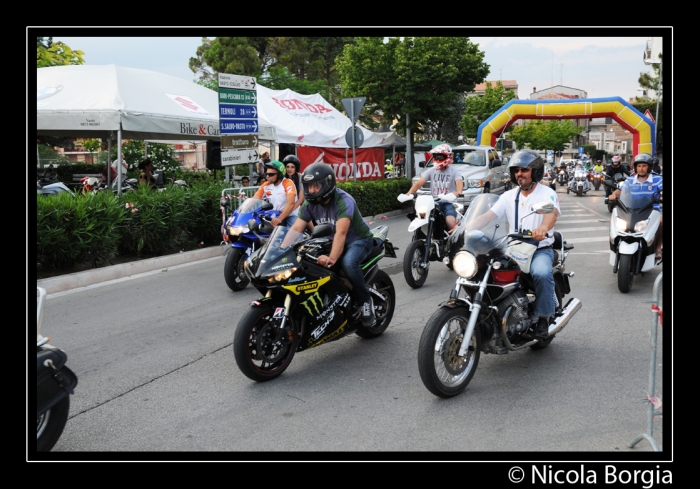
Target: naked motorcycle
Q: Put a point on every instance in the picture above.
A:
(430, 241)
(304, 304)
(633, 225)
(490, 308)
(54, 384)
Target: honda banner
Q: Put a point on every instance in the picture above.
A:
(370, 161)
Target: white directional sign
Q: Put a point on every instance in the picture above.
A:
(237, 81)
(231, 157)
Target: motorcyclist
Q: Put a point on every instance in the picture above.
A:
(352, 241)
(614, 168)
(280, 192)
(598, 168)
(526, 171)
(652, 185)
(444, 179)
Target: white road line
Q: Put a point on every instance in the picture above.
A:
(576, 230)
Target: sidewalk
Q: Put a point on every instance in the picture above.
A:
(90, 277)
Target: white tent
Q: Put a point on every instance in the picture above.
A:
(310, 120)
(103, 101)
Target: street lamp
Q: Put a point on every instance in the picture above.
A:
(653, 57)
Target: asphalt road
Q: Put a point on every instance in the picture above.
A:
(153, 354)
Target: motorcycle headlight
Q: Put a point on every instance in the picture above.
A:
(621, 225)
(422, 212)
(464, 263)
(281, 276)
(475, 183)
(641, 225)
(237, 230)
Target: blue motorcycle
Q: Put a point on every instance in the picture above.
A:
(244, 241)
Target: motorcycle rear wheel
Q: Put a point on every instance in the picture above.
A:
(261, 352)
(442, 371)
(50, 425)
(413, 272)
(383, 311)
(625, 273)
(234, 273)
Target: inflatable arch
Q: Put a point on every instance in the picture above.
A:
(641, 127)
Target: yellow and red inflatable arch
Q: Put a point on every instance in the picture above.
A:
(641, 127)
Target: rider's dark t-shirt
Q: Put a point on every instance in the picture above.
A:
(341, 205)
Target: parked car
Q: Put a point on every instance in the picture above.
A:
(481, 169)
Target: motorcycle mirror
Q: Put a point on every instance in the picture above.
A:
(542, 208)
(253, 225)
(322, 230)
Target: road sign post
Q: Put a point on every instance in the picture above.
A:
(238, 120)
(353, 106)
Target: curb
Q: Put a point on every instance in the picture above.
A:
(98, 275)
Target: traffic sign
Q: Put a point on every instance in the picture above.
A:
(232, 111)
(359, 137)
(239, 141)
(237, 81)
(238, 126)
(231, 157)
(353, 106)
(229, 96)
(648, 114)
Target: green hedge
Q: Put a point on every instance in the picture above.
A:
(95, 228)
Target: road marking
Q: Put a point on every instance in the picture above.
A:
(576, 230)
(586, 240)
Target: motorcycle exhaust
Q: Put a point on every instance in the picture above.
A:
(570, 309)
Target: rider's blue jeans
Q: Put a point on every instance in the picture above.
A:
(541, 271)
(351, 261)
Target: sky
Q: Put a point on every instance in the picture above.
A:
(601, 66)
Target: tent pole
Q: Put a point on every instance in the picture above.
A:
(109, 162)
(119, 158)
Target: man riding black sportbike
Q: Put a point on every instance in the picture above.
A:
(612, 170)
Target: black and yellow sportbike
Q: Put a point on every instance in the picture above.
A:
(305, 304)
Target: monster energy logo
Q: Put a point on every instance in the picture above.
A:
(313, 304)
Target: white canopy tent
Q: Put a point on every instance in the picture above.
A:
(109, 101)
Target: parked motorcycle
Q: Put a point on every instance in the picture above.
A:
(54, 384)
(490, 308)
(46, 185)
(633, 225)
(430, 241)
(579, 183)
(243, 239)
(305, 305)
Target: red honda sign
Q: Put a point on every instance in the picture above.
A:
(648, 114)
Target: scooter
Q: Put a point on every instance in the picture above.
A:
(241, 238)
(431, 241)
(54, 384)
(633, 225)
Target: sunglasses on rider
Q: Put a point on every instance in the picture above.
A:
(440, 157)
(271, 174)
(521, 170)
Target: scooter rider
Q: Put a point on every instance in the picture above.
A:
(612, 170)
(526, 171)
(352, 241)
(443, 179)
(645, 182)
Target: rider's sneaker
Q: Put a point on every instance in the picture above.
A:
(368, 318)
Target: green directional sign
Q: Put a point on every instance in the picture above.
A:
(232, 96)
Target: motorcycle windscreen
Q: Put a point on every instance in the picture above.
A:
(277, 254)
(636, 196)
(475, 231)
(245, 211)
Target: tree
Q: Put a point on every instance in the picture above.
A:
(49, 53)
(478, 109)
(541, 135)
(162, 155)
(650, 81)
(92, 145)
(416, 76)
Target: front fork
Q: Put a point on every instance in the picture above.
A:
(474, 316)
(285, 318)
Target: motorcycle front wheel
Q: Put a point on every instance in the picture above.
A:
(596, 185)
(49, 425)
(579, 192)
(442, 370)
(384, 310)
(413, 258)
(234, 274)
(261, 349)
(625, 273)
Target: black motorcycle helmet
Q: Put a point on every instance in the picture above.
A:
(527, 158)
(642, 158)
(323, 173)
(292, 159)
